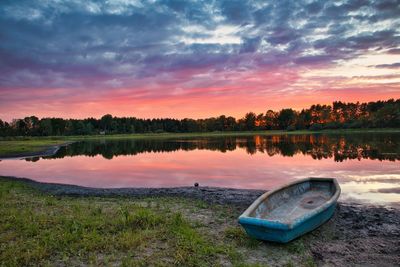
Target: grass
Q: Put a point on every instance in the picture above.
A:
(45, 230)
(11, 146)
(23, 147)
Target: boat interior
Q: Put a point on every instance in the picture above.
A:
(294, 201)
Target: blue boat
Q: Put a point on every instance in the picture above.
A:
(288, 212)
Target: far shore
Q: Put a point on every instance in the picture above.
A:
(21, 150)
(36, 146)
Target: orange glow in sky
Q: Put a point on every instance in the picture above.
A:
(197, 60)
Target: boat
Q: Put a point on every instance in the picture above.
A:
(290, 211)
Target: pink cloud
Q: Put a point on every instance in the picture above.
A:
(195, 93)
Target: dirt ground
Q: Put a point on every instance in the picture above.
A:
(359, 235)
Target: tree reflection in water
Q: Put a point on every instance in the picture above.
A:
(321, 146)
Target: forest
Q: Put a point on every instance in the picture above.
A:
(339, 115)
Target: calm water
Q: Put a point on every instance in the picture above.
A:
(366, 165)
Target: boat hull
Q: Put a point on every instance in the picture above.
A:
(263, 231)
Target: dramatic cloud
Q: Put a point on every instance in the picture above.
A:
(175, 58)
(389, 66)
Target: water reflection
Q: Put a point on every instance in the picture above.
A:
(367, 166)
(338, 147)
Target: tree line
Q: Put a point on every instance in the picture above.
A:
(339, 115)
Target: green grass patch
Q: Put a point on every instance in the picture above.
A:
(296, 246)
(238, 235)
(40, 229)
(22, 147)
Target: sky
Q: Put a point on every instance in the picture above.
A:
(196, 59)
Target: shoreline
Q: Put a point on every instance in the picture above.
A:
(46, 152)
(46, 146)
(200, 134)
(214, 195)
(356, 235)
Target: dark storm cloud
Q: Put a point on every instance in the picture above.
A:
(387, 5)
(311, 60)
(87, 43)
(388, 66)
(236, 11)
(374, 39)
(394, 51)
(394, 190)
(250, 45)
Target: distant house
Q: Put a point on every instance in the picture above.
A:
(102, 132)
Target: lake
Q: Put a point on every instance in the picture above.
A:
(367, 166)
